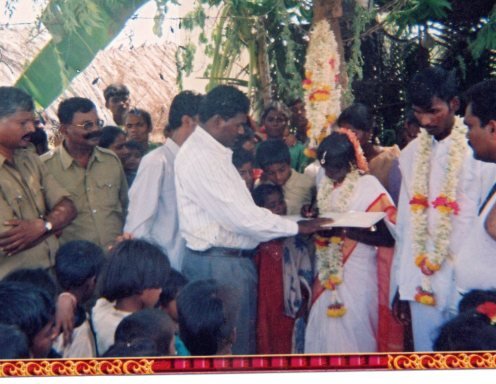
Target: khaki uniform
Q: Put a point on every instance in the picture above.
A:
(27, 191)
(99, 193)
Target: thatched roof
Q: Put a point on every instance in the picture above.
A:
(149, 71)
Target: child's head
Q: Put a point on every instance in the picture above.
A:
(170, 289)
(358, 118)
(472, 330)
(475, 297)
(135, 267)
(339, 153)
(271, 197)
(275, 119)
(152, 324)
(243, 161)
(77, 265)
(136, 348)
(13, 343)
(38, 277)
(32, 310)
(138, 123)
(134, 154)
(274, 158)
(207, 316)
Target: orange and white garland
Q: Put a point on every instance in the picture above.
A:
(445, 203)
(329, 250)
(321, 85)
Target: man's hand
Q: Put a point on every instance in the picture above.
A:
(22, 235)
(307, 227)
(119, 239)
(64, 316)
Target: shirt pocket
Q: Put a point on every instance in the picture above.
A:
(107, 195)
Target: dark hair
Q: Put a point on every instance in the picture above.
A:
(358, 116)
(410, 117)
(272, 151)
(276, 106)
(261, 192)
(474, 297)
(152, 323)
(206, 315)
(185, 103)
(482, 96)
(136, 348)
(14, 99)
(76, 262)
(225, 101)
(13, 343)
(145, 114)
(115, 90)
(109, 134)
(68, 107)
(469, 331)
(133, 266)
(132, 144)
(242, 156)
(38, 277)
(171, 287)
(432, 82)
(336, 149)
(27, 306)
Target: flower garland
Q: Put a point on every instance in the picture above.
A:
(445, 203)
(329, 251)
(321, 85)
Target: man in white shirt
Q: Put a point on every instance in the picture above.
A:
(152, 211)
(440, 192)
(475, 267)
(217, 215)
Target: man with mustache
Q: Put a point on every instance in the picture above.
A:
(33, 206)
(93, 175)
(439, 197)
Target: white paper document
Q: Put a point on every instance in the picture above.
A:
(348, 219)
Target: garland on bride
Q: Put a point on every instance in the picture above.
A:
(445, 203)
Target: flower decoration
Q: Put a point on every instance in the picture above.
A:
(361, 161)
(445, 204)
(329, 250)
(488, 309)
(321, 84)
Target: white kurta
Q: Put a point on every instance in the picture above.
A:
(356, 330)
(152, 213)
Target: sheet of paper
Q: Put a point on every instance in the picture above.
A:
(348, 219)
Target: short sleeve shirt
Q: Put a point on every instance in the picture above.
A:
(27, 191)
(99, 193)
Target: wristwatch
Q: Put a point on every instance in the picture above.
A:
(48, 225)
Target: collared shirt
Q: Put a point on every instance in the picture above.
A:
(215, 206)
(468, 195)
(99, 193)
(152, 212)
(27, 191)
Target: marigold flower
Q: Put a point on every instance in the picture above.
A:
(336, 310)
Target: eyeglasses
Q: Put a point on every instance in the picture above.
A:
(90, 124)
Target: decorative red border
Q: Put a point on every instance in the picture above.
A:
(240, 364)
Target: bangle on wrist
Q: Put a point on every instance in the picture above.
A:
(68, 294)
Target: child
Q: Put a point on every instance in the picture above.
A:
(274, 159)
(132, 159)
(353, 277)
(139, 127)
(113, 138)
(135, 348)
(167, 303)
(150, 323)
(207, 315)
(77, 265)
(284, 282)
(13, 343)
(243, 161)
(32, 310)
(36, 276)
(131, 281)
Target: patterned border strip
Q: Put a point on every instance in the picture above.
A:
(246, 364)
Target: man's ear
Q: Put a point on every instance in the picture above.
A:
(454, 104)
(492, 128)
(187, 121)
(63, 129)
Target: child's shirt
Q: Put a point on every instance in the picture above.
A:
(181, 349)
(298, 191)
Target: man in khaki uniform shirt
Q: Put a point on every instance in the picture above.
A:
(33, 206)
(93, 175)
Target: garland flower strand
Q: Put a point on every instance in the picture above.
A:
(445, 203)
(321, 85)
(329, 250)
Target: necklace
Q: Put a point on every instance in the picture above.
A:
(329, 250)
(445, 203)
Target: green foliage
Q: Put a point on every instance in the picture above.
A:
(185, 55)
(486, 38)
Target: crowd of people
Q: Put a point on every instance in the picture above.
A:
(221, 241)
